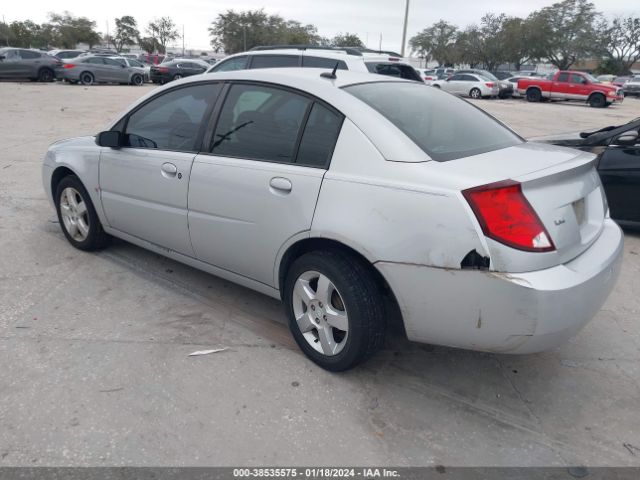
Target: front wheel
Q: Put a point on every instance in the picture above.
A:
(335, 309)
(137, 80)
(77, 215)
(177, 76)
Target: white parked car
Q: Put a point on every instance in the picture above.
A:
(469, 85)
(354, 59)
(345, 195)
(514, 81)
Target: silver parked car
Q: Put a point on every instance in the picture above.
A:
(92, 69)
(344, 196)
(23, 63)
(469, 85)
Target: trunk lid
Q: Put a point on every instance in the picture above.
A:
(561, 184)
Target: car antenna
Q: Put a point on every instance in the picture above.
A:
(331, 75)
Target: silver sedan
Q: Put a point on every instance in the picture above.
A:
(351, 198)
(90, 69)
(469, 85)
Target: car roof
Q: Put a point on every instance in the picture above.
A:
(333, 53)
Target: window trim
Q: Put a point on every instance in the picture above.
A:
(222, 99)
(124, 121)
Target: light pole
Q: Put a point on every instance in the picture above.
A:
(404, 29)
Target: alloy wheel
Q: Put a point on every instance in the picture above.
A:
(74, 214)
(320, 313)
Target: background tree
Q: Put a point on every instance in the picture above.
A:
(163, 31)
(620, 43)
(67, 31)
(436, 43)
(148, 44)
(490, 46)
(126, 32)
(564, 32)
(347, 40)
(517, 40)
(6, 35)
(240, 31)
(468, 46)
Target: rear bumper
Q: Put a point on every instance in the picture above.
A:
(499, 312)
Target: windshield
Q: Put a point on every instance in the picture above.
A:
(591, 78)
(444, 126)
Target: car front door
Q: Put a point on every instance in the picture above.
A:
(29, 63)
(116, 70)
(562, 87)
(454, 84)
(619, 169)
(144, 184)
(259, 182)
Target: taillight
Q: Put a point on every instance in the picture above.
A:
(505, 215)
(68, 65)
(489, 84)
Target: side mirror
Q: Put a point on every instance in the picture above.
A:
(627, 138)
(110, 138)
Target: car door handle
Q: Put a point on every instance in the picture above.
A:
(282, 185)
(169, 169)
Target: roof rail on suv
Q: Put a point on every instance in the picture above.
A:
(348, 50)
(380, 52)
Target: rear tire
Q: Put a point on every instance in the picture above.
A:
(475, 93)
(534, 95)
(46, 75)
(597, 100)
(323, 289)
(87, 78)
(77, 215)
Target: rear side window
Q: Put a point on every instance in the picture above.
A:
(320, 62)
(29, 55)
(235, 63)
(260, 123)
(446, 128)
(173, 120)
(275, 61)
(320, 137)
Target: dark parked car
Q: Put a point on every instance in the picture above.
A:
(618, 150)
(22, 63)
(176, 69)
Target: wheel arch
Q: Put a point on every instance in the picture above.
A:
(58, 174)
(310, 244)
(533, 87)
(597, 92)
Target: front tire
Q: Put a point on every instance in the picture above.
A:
(177, 76)
(137, 80)
(77, 215)
(335, 309)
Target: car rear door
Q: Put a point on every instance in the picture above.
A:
(144, 185)
(619, 170)
(258, 184)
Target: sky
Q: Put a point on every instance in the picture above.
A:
(370, 19)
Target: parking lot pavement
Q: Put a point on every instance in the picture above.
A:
(94, 348)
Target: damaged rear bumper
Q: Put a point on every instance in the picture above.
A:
(498, 312)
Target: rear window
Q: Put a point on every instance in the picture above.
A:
(444, 126)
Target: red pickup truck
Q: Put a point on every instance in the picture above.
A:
(569, 85)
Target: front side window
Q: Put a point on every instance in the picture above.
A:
(235, 63)
(95, 61)
(577, 79)
(115, 63)
(446, 128)
(171, 121)
(260, 123)
(275, 61)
